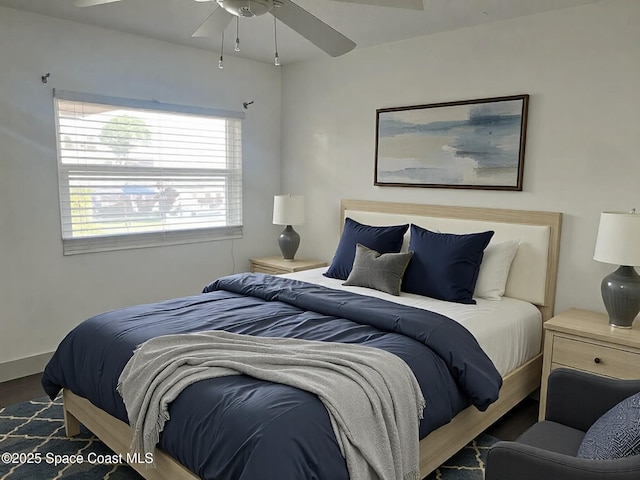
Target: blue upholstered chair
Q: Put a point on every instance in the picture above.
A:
(591, 431)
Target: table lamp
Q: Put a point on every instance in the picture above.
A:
(288, 210)
(618, 242)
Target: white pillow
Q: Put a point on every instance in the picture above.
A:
(494, 269)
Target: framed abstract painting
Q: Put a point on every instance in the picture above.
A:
(476, 144)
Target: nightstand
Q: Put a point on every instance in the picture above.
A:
(278, 265)
(584, 340)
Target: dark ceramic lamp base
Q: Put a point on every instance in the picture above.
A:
(288, 241)
(621, 296)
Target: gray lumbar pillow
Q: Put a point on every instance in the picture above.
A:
(382, 272)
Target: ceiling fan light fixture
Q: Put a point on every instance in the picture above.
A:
(246, 8)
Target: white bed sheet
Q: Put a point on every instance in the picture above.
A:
(508, 330)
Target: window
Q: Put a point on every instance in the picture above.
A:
(133, 173)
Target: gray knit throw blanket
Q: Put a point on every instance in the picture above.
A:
(373, 399)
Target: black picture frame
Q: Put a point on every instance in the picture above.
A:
(470, 144)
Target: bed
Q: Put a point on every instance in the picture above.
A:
(531, 281)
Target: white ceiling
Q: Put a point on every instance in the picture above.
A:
(175, 20)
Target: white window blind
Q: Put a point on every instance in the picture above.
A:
(135, 173)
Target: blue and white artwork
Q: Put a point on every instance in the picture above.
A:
(475, 144)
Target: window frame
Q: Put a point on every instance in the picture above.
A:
(124, 241)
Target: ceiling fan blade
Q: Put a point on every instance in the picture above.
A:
(408, 4)
(91, 3)
(313, 29)
(215, 24)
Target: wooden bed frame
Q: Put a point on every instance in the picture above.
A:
(438, 446)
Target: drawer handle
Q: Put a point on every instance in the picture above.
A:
(597, 360)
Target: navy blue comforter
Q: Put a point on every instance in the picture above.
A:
(240, 428)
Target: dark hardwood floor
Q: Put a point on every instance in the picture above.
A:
(520, 418)
(21, 390)
(507, 428)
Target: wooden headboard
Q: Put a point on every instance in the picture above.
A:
(534, 270)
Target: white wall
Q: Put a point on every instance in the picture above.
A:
(581, 67)
(43, 294)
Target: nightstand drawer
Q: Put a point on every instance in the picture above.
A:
(584, 340)
(595, 358)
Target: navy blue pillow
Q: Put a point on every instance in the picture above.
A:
(445, 265)
(616, 434)
(380, 239)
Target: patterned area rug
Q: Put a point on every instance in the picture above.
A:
(33, 446)
(468, 463)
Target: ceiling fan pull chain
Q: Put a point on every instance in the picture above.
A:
(276, 60)
(237, 34)
(220, 62)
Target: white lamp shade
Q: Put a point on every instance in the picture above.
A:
(288, 210)
(618, 239)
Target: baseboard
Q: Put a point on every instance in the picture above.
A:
(23, 367)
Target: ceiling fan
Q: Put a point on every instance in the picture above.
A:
(297, 18)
